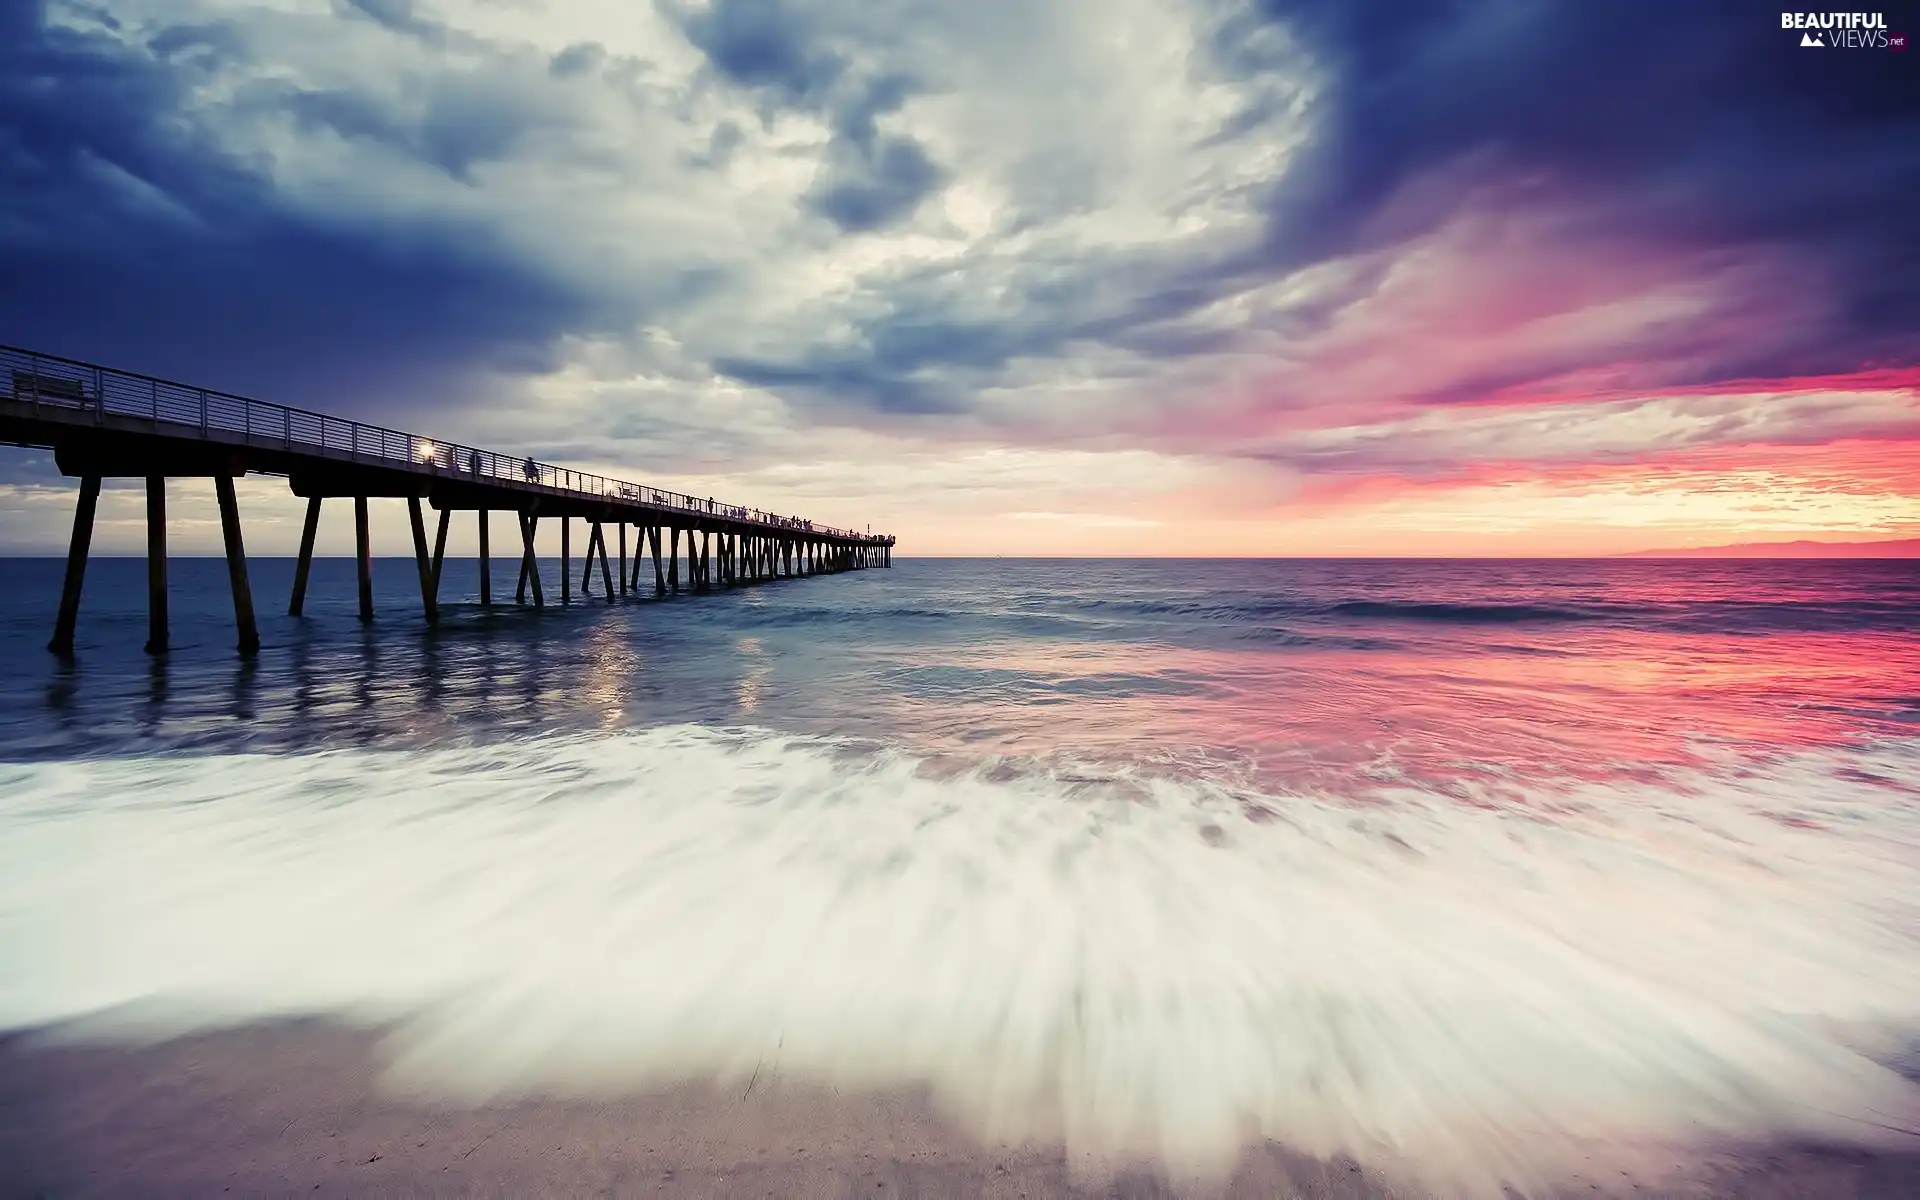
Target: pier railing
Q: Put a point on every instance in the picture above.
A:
(48, 380)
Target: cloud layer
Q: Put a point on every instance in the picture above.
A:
(1197, 266)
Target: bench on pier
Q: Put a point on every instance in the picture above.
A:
(28, 386)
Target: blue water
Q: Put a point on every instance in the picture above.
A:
(1545, 662)
(1472, 869)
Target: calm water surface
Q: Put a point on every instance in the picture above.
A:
(1470, 865)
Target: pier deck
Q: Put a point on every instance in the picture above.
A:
(101, 423)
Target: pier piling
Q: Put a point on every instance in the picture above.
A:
(423, 561)
(597, 548)
(606, 571)
(76, 576)
(440, 548)
(304, 565)
(486, 564)
(237, 565)
(363, 557)
(530, 561)
(586, 568)
(156, 564)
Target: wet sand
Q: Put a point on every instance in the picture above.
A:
(297, 1108)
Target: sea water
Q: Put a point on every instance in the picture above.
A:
(1472, 870)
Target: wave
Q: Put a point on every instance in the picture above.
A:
(1700, 616)
(1759, 618)
(1148, 963)
(1267, 609)
(1071, 615)
(1465, 614)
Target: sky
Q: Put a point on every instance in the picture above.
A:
(1141, 277)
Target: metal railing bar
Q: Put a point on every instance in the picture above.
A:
(63, 382)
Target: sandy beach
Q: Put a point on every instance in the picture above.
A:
(299, 1108)
(289, 1108)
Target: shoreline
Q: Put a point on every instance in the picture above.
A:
(297, 1106)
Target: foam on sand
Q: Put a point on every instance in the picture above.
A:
(1146, 964)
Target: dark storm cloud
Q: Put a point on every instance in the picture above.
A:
(581, 58)
(1690, 131)
(871, 180)
(123, 239)
(1701, 125)
(853, 379)
(764, 44)
(457, 128)
(726, 138)
(917, 357)
(872, 187)
(395, 16)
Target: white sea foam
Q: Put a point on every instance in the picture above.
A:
(1140, 965)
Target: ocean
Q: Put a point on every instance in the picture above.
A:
(1484, 866)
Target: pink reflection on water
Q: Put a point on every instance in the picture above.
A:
(1471, 708)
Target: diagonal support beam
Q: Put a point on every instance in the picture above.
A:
(606, 568)
(597, 545)
(63, 626)
(237, 565)
(440, 549)
(423, 560)
(529, 561)
(304, 567)
(586, 568)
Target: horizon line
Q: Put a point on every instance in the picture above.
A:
(1670, 555)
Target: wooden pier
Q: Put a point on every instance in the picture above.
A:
(102, 423)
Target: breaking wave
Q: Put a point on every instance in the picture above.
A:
(1154, 963)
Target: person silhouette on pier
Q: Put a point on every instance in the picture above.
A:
(532, 470)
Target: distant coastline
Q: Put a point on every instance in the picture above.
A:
(1896, 548)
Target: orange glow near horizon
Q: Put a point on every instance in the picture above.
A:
(1857, 490)
(1557, 479)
